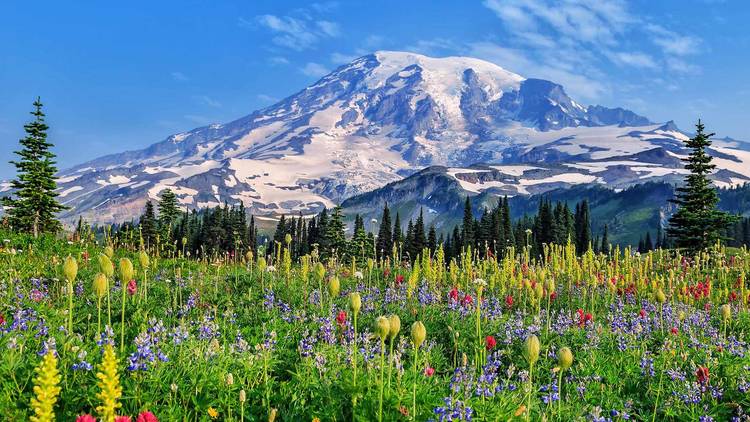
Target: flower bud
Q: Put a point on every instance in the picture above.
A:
(70, 268)
(288, 238)
(334, 286)
(105, 265)
(538, 291)
(565, 358)
(262, 264)
(355, 302)
(418, 334)
(531, 349)
(243, 396)
(382, 327)
(660, 296)
(126, 270)
(395, 324)
(726, 312)
(320, 270)
(551, 286)
(230, 379)
(143, 258)
(109, 251)
(100, 284)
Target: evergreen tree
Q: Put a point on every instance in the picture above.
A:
(605, 240)
(398, 237)
(648, 244)
(697, 224)
(35, 204)
(148, 225)
(335, 233)
(384, 243)
(432, 241)
(419, 241)
(468, 224)
(582, 227)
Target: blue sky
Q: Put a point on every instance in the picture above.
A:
(123, 75)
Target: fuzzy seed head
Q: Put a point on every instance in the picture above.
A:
(395, 325)
(418, 334)
(100, 285)
(531, 349)
(382, 327)
(355, 302)
(70, 268)
(565, 358)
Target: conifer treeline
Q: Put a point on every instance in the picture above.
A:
(222, 229)
(228, 229)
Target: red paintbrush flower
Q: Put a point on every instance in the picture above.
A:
(123, 419)
(454, 294)
(702, 374)
(490, 342)
(132, 287)
(399, 279)
(509, 301)
(429, 371)
(85, 418)
(467, 300)
(146, 417)
(341, 318)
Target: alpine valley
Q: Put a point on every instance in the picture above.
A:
(402, 128)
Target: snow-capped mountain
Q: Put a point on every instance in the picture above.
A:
(378, 119)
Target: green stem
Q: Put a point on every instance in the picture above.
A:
(382, 379)
(414, 385)
(70, 307)
(531, 389)
(390, 363)
(123, 287)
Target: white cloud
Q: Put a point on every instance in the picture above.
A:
(179, 76)
(266, 98)
(674, 43)
(278, 60)
(314, 69)
(340, 58)
(634, 59)
(205, 99)
(299, 32)
(572, 41)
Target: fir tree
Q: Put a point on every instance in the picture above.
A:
(398, 237)
(35, 204)
(605, 240)
(419, 241)
(432, 241)
(468, 224)
(148, 225)
(697, 224)
(385, 236)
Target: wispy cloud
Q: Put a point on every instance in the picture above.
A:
(314, 69)
(278, 60)
(180, 77)
(266, 98)
(205, 99)
(571, 42)
(300, 31)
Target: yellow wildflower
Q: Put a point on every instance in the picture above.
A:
(110, 390)
(213, 413)
(46, 389)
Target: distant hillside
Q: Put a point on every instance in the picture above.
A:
(629, 213)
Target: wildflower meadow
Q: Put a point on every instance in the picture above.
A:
(97, 331)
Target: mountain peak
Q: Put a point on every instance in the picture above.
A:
(370, 122)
